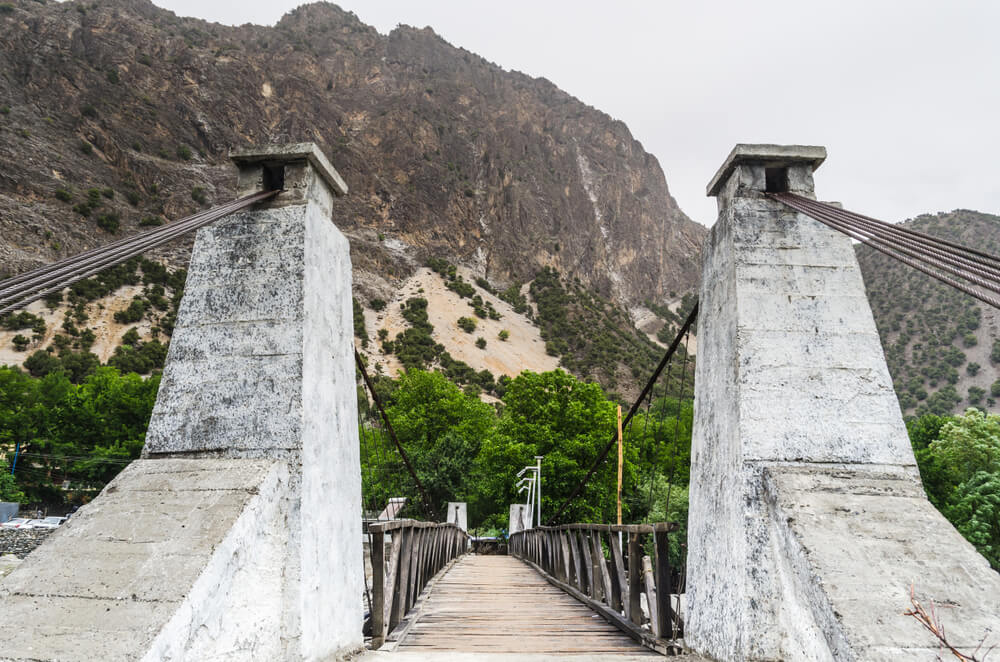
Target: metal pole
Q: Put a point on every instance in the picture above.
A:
(538, 488)
(17, 450)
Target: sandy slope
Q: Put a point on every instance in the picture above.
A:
(524, 350)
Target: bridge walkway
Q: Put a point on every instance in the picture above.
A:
(499, 605)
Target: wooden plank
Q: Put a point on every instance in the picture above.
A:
(500, 605)
(605, 574)
(619, 589)
(663, 583)
(587, 563)
(634, 604)
(402, 576)
(377, 616)
(647, 578)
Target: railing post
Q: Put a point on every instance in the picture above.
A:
(634, 578)
(378, 589)
(596, 559)
(651, 593)
(663, 579)
(402, 576)
(619, 591)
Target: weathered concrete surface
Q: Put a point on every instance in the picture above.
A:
(164, 548)
(519, 519)
(261, 365)
(791, 375)
(458, 513)
(260, 371)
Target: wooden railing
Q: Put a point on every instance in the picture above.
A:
(417, 552)
(587, 561)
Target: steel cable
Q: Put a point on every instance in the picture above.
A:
(44, 281)
(896, 252)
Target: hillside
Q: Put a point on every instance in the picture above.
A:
(942, 347)
(446, 154)
(116, 116)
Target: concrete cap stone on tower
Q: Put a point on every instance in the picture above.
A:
(278, 154)
(769, 155)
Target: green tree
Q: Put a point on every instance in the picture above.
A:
(567, 421)
(441, 430)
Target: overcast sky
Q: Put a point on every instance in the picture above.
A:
(905, 95)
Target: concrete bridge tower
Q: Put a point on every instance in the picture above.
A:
(808, 522)
(236, 535)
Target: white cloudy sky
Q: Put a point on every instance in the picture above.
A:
(904, 94)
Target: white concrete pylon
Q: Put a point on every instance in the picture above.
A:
(236, 536)
(807, 524)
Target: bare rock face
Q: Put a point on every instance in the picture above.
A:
(445, 153)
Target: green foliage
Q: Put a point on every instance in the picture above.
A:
(89, 111)
(199, 195)
(513, 296)
(184, 154)
(359, 322)
(109, 222)
(150, 222)
(378, 305)
(503, 335)
(20, 342)
(9, 491)
(481, 343)
(135, 311)
(5, 110)
(141, 358)
(569, 422)
(442, 430)
(63, 195)
(467, 324)
(82, 433)
(86, 147)
(593, 336)
(130, 337)
(960, 469)
(113, 77)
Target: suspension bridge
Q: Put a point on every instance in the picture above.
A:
(236, 535)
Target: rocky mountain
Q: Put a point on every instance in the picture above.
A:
(445, 153)
(942, 346)
(117, 115)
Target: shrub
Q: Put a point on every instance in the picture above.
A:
(184, 153)
(6, 8)
(109, 222)
(504, 335)
(481, 343)
(976, 395)
(82, 208)
(86, 147)
(89, 111)
(995, 388)
(108, 193)
(150, 221)
(63, 195)
(145, 59)
(4, 110)
(972, 369)
(113, 76)
(198, 195)
(467, 324)
(130, 337)
(133, 313)
(378, 305)
(133, 197)
(20, 342)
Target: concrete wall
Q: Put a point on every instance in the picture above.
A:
(458, 513)
(260, 370)
(791, 381)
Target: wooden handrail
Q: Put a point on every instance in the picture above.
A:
(587, 561)
(419, 550)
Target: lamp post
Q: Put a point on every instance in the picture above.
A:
(534, 503)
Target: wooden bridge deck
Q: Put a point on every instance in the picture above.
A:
(497, 604)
